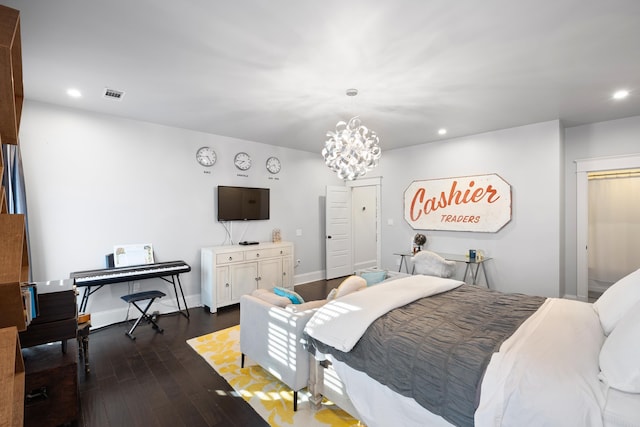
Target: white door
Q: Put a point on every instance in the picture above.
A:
(339, 258)
(223, 285)
(243, 279)
(364, 217)
(287, 272)
(270, 273)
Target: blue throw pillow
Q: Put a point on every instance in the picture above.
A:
(293, 296)
(373, 277)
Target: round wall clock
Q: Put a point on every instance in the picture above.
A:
(206, 156)
(242, 161)
(273, 165)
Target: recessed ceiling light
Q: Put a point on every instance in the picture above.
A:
(621, 94)
(74, 93)
(442, 131)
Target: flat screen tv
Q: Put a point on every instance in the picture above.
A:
(242, 203)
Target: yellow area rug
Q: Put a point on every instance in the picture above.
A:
(269, 397)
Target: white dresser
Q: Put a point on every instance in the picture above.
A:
(228, 272)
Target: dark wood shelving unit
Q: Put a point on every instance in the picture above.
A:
(14, 260)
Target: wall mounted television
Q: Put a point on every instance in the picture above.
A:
(242, 203)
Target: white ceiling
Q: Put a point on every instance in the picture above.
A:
(276, 71)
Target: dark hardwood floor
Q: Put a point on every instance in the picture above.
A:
(158, 380)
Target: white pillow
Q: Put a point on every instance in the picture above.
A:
(309, 305)
(614, 303)
(620, 354)
(432, 264)
(349, 285)
(268, 296)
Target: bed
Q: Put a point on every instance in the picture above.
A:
(423, 350)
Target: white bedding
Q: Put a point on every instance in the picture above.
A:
(341, 322)
(545, 374)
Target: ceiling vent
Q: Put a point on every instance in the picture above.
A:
(113, 94)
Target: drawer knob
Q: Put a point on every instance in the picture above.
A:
(257, 255)
(230, 258)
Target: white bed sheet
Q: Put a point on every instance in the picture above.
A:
(545, 374)
(341, 322)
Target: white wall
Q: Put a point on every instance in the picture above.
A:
(525, 252)
(603, 139)
(94, 181)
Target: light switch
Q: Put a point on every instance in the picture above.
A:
(298, 232)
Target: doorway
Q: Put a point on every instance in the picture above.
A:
(583, 169)
(365, 222)
(614, 227)
(362, 248)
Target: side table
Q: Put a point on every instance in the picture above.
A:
(473, 266)
(402, 256)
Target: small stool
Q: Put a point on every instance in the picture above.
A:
(147, 295)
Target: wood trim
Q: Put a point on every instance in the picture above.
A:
(11, 379)
(11, 88)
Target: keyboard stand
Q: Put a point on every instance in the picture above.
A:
(174, 279)
(109, 276)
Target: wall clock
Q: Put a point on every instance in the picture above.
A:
(273, 165)
(242, 161)
(206, 156)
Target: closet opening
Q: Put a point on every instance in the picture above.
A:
(613, 227)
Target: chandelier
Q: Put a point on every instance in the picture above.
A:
(353, 149)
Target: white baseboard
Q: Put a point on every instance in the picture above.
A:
(308, 277)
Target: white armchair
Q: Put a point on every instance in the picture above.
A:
(272, 336)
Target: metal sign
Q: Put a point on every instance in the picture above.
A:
(479, 203)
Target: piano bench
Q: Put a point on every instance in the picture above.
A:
(141, 296)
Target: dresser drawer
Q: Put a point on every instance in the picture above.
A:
(51, 385)
(267, 253)
(228, 257)
(56, 306)
(56, 321)
(41, 333)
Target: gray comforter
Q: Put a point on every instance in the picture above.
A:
(436, 349)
